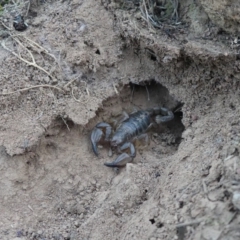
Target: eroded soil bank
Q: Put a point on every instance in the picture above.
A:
(94, 60)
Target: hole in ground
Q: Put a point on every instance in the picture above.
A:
(152, 221)
(98, 52)
(67, 173)
(151, 55)
(165, 137)
(159, 225)
(181, 204)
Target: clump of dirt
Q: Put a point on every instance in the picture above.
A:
(82, 62)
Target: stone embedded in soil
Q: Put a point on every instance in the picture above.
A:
(211, 234)
(236, 199)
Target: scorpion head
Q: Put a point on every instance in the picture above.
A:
(116, 141)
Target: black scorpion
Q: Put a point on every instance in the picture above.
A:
(132, 127)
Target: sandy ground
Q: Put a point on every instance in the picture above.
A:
(83, 62)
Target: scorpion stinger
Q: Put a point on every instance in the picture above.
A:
(163, 115)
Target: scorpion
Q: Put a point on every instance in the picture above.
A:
(131, 128)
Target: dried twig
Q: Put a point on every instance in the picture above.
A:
(33, 63)
(9, 29)
(28, 88)
(147, 10)
(30, 208)
(132, 93)
(77, 100)
(146, 13)
(147, 93)
(66, 124)
(115, 89)
(146, 16)
(175, 10)
(194, 222)
(34, 44)
(70, 82)
(28, 7)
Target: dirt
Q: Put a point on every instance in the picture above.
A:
(83, 62)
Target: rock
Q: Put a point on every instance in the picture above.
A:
(46, 79)
(236, 199)
(77, 224)
(4, 91)
(210, 234)
(196, 212)
(187, 132)
(231, 161)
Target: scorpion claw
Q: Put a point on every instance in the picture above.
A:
(95, 138)
(131, 127)
(102, 131)
(120, 161)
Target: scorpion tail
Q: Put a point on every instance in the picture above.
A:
(120, 161)
(166, 115)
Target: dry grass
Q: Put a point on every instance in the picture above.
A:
(20, 40)
(155, 14)
(29, 52)
(32, 87)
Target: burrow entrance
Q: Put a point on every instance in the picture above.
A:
(63, 183)
(166, 137)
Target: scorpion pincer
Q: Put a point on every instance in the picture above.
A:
(132, 127)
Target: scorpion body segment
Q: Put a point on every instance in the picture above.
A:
(132, 127)
(135, 125)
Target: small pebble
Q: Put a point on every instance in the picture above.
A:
(4, 91)
(236, 199)
(77, 224)
(19, 233)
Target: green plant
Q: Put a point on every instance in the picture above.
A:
(2, 3)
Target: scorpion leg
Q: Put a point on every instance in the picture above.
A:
(102, 131)
(123, 158)
(167, 115)
(143, 137)
(124, 117)
(135, 109)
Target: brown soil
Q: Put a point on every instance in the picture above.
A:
(94, 60)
